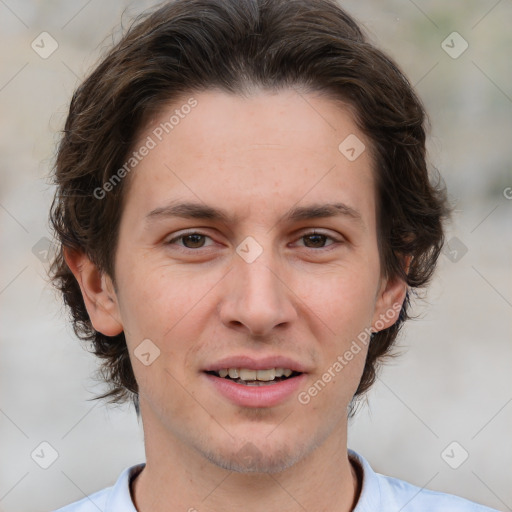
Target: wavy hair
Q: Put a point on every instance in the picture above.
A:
(186, 46)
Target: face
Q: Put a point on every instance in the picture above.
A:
(273, 264)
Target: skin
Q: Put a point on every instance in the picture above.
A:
(197, 300)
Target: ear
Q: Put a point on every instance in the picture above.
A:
(389, 300)
(97, 291)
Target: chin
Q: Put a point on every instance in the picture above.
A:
(257, 457)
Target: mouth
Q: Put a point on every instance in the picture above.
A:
(250, 377)
(249, 382)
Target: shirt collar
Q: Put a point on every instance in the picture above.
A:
(370, 495)
(120, 497)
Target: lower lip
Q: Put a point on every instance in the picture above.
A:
(267, 395)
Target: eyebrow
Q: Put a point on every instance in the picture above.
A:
(191, 210)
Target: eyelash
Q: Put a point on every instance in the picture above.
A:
(309, 233)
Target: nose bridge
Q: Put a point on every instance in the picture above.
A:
(256, 277)
(259, 300)
(257, 280)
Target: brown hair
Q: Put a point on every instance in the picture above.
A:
(234, 45)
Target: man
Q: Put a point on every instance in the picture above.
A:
(244, 204)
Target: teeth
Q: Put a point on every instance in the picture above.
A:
(266, 374)
(247, 375)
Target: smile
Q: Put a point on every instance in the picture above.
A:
(249, 377)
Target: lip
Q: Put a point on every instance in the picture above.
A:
(251, 363)
(268, 395)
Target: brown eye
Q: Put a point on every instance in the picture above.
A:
(317, 240)
(196, 240)
(191, 240)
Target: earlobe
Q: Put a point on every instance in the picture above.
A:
(97, 291)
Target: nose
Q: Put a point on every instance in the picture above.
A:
(258, 299)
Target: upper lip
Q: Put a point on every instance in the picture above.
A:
(252, 363)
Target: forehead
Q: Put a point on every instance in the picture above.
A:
(252, 153)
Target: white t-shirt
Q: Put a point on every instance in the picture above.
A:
(379, 493)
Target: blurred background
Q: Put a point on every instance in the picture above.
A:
(439, 416)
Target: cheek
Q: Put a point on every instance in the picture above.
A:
(345, 306)
(344, 301)
(330, 392)
(143, 305)
(165, 304)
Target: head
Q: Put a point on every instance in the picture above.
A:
(256, 109)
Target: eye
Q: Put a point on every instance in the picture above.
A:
(318, 240)
(192, 240)
(196, 240)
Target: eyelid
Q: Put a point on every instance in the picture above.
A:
(314, 231)
(299, 235)
(183, 234)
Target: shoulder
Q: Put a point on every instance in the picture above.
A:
(111, 499)
(388, 494)
(91, 503)
(410, 498)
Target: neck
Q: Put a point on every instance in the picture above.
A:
(177, 477)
